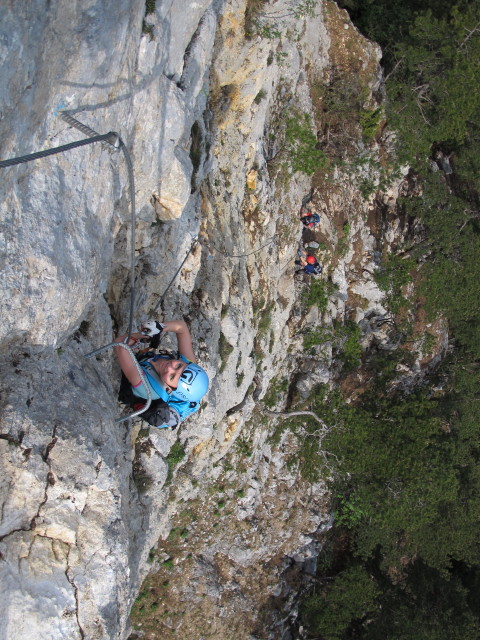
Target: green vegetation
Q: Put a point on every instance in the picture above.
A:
(342, 98)
(341, 115)
(224, 310)
(345, 341)
(408, 497)
(344, 240)
(174, 535)
(244, 447)
(150, 6)
(148, 29)
(259, 21)
(151, 556)
(429, 95)
(317, 294)
(314, 337)
(276, 388)
(353, 596)
(225, 349)
(394, 274)
(452, 272)
(265, 318)
(370, 122)
(301, 144)
(175, 456)
(146, 603)
(351, 350)
(260, 96)
(403, 558)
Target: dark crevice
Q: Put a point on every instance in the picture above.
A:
(50, 445)
(50, 479)
(12, 440)
(10, 533)
(196, 152)
(187, 54)
(75, 590)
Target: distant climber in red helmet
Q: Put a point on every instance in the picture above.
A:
(309, 220)
(309, 263)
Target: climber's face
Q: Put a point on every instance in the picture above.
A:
(170, 371)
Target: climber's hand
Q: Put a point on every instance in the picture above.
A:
(152, 328)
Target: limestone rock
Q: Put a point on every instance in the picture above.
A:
(85, 498)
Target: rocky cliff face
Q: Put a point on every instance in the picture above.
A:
(199, 99)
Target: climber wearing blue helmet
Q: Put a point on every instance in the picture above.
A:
(177, 385)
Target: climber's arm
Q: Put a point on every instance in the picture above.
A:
(184, 337)
(125, 359)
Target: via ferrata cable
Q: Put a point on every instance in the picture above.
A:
(113, 141)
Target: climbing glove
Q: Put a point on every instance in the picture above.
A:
(153, 330)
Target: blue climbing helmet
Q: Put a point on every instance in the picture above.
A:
(193, 384)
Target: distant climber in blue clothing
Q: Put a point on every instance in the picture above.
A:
(177, 385)
(309, 263)
(309, 220)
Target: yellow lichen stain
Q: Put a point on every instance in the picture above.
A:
(202, 446)
(252, 179)
(232, 24)
(206, 205)
(230, 430)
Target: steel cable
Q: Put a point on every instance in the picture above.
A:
(106, 137)
(240, 255)
(195, 240)
(131, 183)
(113, 141)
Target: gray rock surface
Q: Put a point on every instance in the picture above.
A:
(83, 498)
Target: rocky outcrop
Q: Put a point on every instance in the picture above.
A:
(199, 102)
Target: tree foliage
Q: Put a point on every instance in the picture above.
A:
(406, 465)
(430, 97)
(408, 498)
(301, 144)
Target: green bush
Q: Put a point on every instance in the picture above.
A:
(301, 145)
(260, 96)
(369, 121)
(395, 273)
(351, 354)
(150, 6)
(275, 388)
(349, 512)
(348, 602)
(317, 294)
(174, 457)
(148, 29)
(315, 337)
(176, 454)
(225, 349)
(344, 240)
